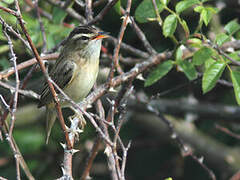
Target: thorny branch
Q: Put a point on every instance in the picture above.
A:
(13, 59)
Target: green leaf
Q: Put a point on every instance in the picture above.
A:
(146, 11)
(208, 63)
(195, 42)
(201, 55)
(207, 13)
(211, 75)
(235, 76)
(179, 54)
(185, 27)
(165, 2)
(58, 15)
(188, 69)
(221, 38)
(183, 5)
(198, 9)
(8, 1)
(232, 27)
(117, 7)
(235, 55)
(161, 70)
(169, 25)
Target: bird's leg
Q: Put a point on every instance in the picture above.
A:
(78, 114)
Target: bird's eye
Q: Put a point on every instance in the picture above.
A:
(84, 38)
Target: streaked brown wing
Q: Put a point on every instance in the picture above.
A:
(61, 74)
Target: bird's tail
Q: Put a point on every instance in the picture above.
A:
(51, 117)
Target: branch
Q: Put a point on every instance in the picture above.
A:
(103, 12)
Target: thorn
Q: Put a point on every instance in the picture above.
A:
(73, 151)
(201, 159)
(111, 89)
(63, 145)
(140, 77)
(108, 151)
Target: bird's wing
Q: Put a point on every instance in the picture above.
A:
(61, 74)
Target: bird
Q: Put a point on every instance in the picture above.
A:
(75, 71)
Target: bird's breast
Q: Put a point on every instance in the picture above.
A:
(84, 79)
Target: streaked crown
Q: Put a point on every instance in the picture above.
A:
(83, 33)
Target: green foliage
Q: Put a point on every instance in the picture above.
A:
(165, 2)
(205, 55)
(188, 69)
(235, 76)
(145, 11)
(4, 63)
(169, 25)
(161, 70)
(117, 7)
(212, 75)
(206, 13)
(58, 15)
(183, 5)
(232, 27)
(221, 38)
(202, 55)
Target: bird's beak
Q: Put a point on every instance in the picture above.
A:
(101, 35)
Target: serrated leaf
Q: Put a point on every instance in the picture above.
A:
(183, 5)
(169, 25)
(212, 75)
(232, 27)
(235, 76)
(146, 10)
(221, 38)
(188, 69)
(201, 56)
(161, 70)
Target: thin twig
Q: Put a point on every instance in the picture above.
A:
(103, 12)
(6, 73)
(44, 47)
(69, 10)
(227, 131)
(97, 142)
(27, 93)
(115, 62)
(221, 52)
(41, 11)
(142, 37)
(88, 10)
(13, 59)
(186, 151)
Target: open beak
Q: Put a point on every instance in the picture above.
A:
(101, 35)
